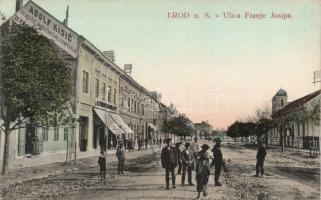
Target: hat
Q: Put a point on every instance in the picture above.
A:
(102, 152)
(187, 144)
(195, 138)
(178, 144)
(167, 140)
(205, 146)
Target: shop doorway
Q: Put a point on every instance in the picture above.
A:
(30, 138)
(99, 139)
(83, 133)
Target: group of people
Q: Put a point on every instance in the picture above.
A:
(120, 154)
(190, 159)
(194, 158)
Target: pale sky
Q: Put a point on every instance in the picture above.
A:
(212, 69)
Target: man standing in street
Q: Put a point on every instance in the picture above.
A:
(169, 162)
(195, 149)
(102, 164)
(179, 158)
(260, 157)
(218, 161)
(188, 164)
(120, 154)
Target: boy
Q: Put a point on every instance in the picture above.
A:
(102, 164)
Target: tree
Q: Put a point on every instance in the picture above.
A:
(180, 126)
(36, 84)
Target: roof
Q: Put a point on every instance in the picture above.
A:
(279, 93)
(296, 104)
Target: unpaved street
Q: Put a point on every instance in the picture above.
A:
(288, 176)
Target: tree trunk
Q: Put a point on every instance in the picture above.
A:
(5, 164)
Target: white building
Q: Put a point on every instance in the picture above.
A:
(294, 120)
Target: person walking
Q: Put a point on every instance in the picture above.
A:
(195, 148)
(218, 161)
(102, 165)
(188, 164)
(179, 159)
(160, 143)
(146, 143)
(120, 154)
(169, 161)
(202, 170)
(260, 157)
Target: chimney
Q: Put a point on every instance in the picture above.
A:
(110, 55)
(18, 5)
(128, 68)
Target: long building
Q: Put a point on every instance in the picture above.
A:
(294, 127)
(108, 104)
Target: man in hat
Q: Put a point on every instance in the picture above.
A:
(218, 161)
(260, 157)
(202, 170)
(120, 154)
(179, 159)
(188, 164)
(169, 161)
(102, 164)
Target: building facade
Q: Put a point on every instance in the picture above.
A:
(203, 130)
(296, 123)
(138, 108)
(94, 102)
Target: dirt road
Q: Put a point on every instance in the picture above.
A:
(288, 176)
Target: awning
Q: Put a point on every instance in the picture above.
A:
(120, 122)
(113, 122)
(152, 126)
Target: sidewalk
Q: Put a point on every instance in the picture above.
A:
(42, 166)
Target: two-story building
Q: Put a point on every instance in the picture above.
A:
(94, 101)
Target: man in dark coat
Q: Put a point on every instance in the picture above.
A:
(179, 159)
(169, 161)
(120, 154)
(218, 161)
(202, 170)
(102, 165)
(260, 157)
(188, 164)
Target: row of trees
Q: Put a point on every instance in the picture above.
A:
(262, 122)
(179, 126)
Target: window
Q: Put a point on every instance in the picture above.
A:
(66, 132)
(109, 94)
(282, 103)
(128, 103)
(85, 82)
(56, 133)
(103, 91)
(115, 93)
(97, 88)
(44, 133)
